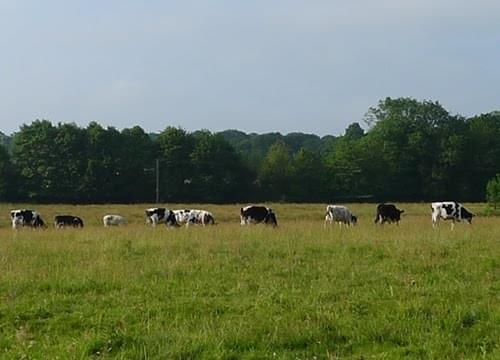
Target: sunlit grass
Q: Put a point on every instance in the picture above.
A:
(297, 291)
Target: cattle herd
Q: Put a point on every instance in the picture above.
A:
(252, 214)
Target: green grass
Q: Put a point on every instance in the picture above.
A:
(229, 292)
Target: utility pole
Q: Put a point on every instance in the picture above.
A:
(157, 181)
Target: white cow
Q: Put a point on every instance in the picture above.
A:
(450, 210)
(113, 220)
(340, 214)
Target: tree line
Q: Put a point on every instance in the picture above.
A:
(411, 151)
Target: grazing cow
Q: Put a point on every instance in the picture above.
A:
(155, 216)
(254, 214)
(201, 217)
(388, 213)
(340, 214)
(26, 217)
(61, 221)
(450, 210)
(182, 216)
(109, 220)
(194, 216)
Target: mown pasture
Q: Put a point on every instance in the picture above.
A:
(299, 291)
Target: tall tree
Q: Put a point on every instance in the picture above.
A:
(70, 160)
(137, 164)
(219, 174)
(421, 143)
(6, 176)
(35, 155)
(354, 132)
(482, 155)
(308, 175)
(275, 172)
(174, 148)
(103, 180)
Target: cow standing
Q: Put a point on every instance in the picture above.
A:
(182, 216)
(26, 217)
(194, 216)
(156, 216)
(450, 210)
(388, 213)
(254, 214)
(201, 217)
(61, 221)
(114, 220)
(340, 214)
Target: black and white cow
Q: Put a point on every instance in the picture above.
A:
(61, 221)
(340, 214)
(388, 213)
(194, 216)
(26, 217)
(450, 210)
(182, 216)
(254, 214)
(156, 216)
(201, 217)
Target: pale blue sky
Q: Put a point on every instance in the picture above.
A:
(257, 66)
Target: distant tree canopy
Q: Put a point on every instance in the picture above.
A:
(410, 150)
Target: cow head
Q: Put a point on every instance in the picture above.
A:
(77, 222)
(38, 222)
(171, 220)
(271, 218)
(466, 215)
(208, 219)
(354, 219)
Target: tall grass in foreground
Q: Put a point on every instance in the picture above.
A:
(297, 291)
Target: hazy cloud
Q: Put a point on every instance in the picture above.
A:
(312, 66)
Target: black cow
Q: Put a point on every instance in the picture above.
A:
(253, 214)
(67, 220)
(26, 217)
(155, 216)
(388, 213)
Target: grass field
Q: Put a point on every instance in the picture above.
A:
(299, 291)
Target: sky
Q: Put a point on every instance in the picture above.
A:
(257, 66)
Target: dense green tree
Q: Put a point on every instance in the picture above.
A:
(35, 156)
(218, 172)
(344, 170)
(308, 177)
(482, 156)
(421, 145)
(296, 141)
(275, 173)
(103, 179)
(493, 192)
(354, 132)
(70, 160)
(174, 148)
(139, 153)
(412, 150)
(5, 141)
(6, 176)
